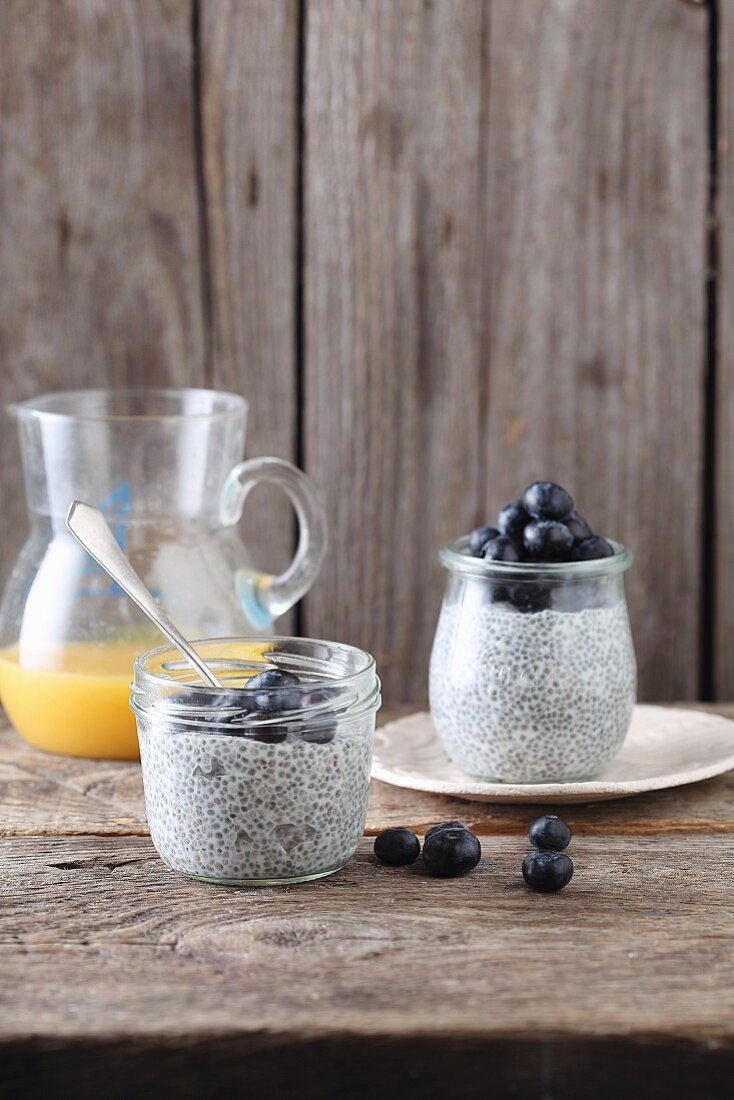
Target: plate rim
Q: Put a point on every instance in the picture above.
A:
(588, 789)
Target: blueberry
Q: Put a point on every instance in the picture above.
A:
(272, 694)
(205, 707)
(268, 735)
(318, 697)
(397, 847)
(578, 526)
(546, 500)
(550, 833)
(232, 699)
(438, 828)
(451, 852)
(512, 521)
(500, 549)
(478, 538)
(273, 678)
(321, 729)
(530, 597)
(547, 871)
(318, 730)
(322, 734)
(592, 548)
(548, 540)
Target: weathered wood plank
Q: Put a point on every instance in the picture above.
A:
(504, 284)
(392, 303)
(249, 109)
(595, 214)
(99, 253)
(723, 601)
(58, 796)
(101, 925)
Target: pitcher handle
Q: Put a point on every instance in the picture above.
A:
(265, 597)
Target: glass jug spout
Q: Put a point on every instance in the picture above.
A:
(265, 597)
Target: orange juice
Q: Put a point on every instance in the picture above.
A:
(79, 704)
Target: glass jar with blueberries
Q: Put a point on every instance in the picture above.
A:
(265, 781)
(533, 674)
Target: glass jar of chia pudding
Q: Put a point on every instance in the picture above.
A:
(533, 675)
(262, 784)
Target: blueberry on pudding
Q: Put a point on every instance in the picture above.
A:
(479, 538)
(533, 676)
(547, 540)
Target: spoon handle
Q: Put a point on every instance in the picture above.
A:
(90, 528)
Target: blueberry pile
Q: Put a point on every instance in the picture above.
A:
(540, 526)
(271, 694)
(450, 849)
(547, 868)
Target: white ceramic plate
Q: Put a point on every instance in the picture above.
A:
(665, 747)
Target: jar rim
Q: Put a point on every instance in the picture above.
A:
(359, 688)
(166, 659)
(69, 404)
(144, 659)
(456, 559)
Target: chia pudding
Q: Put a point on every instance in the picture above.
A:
(532, 697)
(533, 673)
(261, 786)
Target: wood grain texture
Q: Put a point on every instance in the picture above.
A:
(723, 598)
(595, 208)
(99, 253)
(505, 219)
(116, 967)
(249, 111)
(99, 941)
(392, 305)
(49, 795)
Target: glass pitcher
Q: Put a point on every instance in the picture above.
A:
(164, 466)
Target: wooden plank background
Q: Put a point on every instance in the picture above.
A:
(443, 246)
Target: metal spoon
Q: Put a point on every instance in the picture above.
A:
(90, 528)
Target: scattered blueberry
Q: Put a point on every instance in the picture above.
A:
(550, 833)
(546, 500)
(272, 694)
(578, 526)
(397, 847)
(479, 537)
(512, 521)
(500, 549)
(592, 548)
(548, 540)
(451, 852)
(445, 825)
(547, 871)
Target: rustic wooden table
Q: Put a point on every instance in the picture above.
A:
(120, 977)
